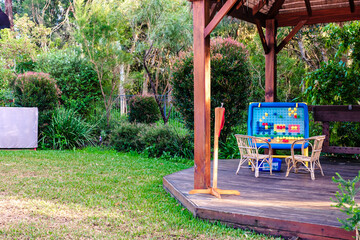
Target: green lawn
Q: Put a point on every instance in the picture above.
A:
(94, 194)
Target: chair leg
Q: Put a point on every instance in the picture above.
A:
(240, 163)
(318, 162)
(257, 168)
(288, 161)
(312, 170)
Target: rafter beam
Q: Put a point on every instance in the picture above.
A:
(245, 13)
(352, 6)
(219, 16)
(240, 4)
(215, 7)
(290, 36)
(308, 7)
(274, 10)
(318, 16)
(262, 37)
(259, 6)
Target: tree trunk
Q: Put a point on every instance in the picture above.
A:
(9, 12)
(122, 96)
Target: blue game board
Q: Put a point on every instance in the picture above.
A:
(279, 123)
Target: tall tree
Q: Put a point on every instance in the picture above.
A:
(161, 29)
(102, 31)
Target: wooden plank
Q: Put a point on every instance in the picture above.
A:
(336, 113)
(262, 37)
(352, 6)
(290, 36)
(270, 62)
(308, 7)
(318, 16)
(201, 95)
(346, 150)
(219, 16)
(274, 10)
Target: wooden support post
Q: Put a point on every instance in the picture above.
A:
(219, 118)
(270, 61)
(326, 132)
(202, 143)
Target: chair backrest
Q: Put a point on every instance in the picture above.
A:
(246, 144)
(317, 146)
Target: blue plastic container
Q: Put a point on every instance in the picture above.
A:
(276, 166)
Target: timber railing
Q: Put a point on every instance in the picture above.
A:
(336, 113)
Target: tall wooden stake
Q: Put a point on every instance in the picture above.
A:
(219, 115)
(201, 9)
(270, 61)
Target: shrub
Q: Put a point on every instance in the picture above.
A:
(163, 139)
(33, 89)
(75, 78)
(143, 109)
(66, 130)
(6, 98)
(126, 137)
(155, 141)
(230, 82)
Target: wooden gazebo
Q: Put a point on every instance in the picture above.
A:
(268, 14)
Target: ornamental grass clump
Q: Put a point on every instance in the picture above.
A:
(67, 130)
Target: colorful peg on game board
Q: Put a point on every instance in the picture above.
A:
(266, 114)
(289, 109)
(289, 114)
(295, 109)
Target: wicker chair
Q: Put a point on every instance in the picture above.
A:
(249, 151)
(308, 163)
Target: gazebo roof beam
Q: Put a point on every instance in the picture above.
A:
(308, 7)
(318, 16)
(274, 10)
(352, 6)
(246, 14)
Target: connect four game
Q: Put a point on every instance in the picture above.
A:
(279, 123)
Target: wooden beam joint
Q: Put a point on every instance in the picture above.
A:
(219, 16)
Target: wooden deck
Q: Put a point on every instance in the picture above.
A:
(275, 205)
